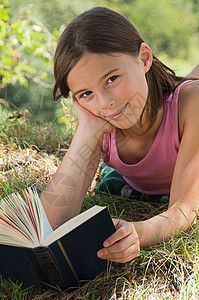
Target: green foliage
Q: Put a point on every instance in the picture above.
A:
(29, 31)
(160, 23)
(56, 13)
(26, 61)
(36, 98)
(21, 40)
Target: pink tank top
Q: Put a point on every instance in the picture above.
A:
(153, 174)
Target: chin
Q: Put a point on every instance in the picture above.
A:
(124, 126)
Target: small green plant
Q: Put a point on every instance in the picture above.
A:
(22, 40)
(11, 290)
(165, 271)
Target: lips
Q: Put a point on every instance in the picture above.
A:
(118, 113)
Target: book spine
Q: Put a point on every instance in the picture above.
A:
(49, 267)
(41, 276)
(67, 259)
(65, 265)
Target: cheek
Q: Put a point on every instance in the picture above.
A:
(91, 106)
(132, 91)
(136, 92)
(139, 90)
(134, 84)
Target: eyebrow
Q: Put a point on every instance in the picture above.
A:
(103, 77)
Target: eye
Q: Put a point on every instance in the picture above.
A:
(86, 94)
(112, 78)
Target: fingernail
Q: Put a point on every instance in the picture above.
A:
(106, 244)
(100, 253)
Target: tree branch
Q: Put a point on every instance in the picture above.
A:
(26, 75)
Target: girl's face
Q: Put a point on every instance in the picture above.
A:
(112, 86)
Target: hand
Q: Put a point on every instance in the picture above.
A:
(123, 245)
(88, 119)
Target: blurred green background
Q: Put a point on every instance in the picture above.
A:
(29, 30)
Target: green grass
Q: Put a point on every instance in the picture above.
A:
(25, 133)
(11, 290)
(166, 271)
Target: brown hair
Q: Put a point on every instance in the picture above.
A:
(102, 30)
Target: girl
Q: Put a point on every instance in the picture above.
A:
(139, 115)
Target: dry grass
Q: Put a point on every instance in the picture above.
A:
(26, 165)
(167, 271)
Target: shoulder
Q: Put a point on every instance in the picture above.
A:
(189, 88)
(188, 105)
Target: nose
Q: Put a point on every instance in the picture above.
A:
(106, 100)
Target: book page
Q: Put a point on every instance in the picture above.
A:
(23, 222)
(46, 229)
(72, 223)
(16, 219)
(12, 237)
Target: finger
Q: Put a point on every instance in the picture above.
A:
(123, 256)
(116, 223)
(124, 259)
(74, 99)
(125, 229)
(123, 244)
(132, 251)
(121, 249)
(76, 104)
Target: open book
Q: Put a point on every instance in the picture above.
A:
(33, 254)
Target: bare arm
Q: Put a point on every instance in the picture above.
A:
(63, 196)
(184, 196)
(124, 244)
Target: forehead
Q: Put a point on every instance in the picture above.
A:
(94, 65)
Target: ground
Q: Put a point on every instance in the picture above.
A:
(166, 271)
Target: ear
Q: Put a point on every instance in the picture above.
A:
(146, 56)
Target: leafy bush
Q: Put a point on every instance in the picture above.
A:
(21, 40)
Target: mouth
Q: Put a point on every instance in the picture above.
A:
(118, 113)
